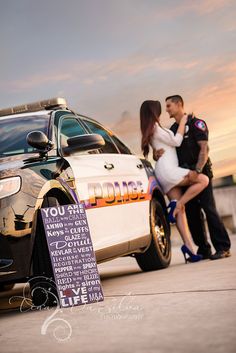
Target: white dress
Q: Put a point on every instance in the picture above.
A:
(167, 168)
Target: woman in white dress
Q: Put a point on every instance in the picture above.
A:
(167, 170)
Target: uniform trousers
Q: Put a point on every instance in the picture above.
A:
(218, 234)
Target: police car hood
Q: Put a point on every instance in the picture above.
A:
(9, 165)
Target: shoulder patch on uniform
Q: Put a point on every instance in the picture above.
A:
(200, 125)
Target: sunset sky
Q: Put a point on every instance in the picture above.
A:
(107, 57)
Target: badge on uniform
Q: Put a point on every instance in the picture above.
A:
(186, 131)
(200, 125)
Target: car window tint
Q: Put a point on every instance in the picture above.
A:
(14, 131)
(70, 127)
(97, 129)
(121, 146)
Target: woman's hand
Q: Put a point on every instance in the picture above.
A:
(184, 119)
(182, 123)
(158, 153)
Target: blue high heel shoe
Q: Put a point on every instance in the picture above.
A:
(192, 257)
(170, 210)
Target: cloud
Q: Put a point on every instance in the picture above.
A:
(37, 80)
(215, 98)
(217, 101)
(90, 73)
(186, 7)
(127, 128)
(206, 6)
(227, 67)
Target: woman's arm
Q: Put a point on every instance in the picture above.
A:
(171, 139)
(167, 136)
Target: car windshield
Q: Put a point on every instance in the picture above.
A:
(13, 132)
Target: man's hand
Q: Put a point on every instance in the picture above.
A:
(192, 176)
(157, 154)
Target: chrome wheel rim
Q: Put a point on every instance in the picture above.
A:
(160, 235)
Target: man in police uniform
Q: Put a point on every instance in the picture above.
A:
(193, 154)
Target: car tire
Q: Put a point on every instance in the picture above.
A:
(42, 286)
(158, 254)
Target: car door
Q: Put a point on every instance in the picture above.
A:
(92, 178)
(130, 185)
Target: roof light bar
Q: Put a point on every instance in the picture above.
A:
(36, 106)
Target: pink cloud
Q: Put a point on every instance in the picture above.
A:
(200, 7)
(37, 80)
(207, 6)
(91, 72)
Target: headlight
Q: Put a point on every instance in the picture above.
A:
(9, 186)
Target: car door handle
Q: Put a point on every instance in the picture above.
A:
(109, 166)
(140, 166)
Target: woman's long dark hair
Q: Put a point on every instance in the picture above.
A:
(149, 115)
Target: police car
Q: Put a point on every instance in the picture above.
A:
(49, 156)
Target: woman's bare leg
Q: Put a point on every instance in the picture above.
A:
(193, 190)
(181, 219)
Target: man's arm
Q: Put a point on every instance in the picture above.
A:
(202, 159)
(200, 131)
(203, 154)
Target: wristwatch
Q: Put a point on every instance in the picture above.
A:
(198, 170)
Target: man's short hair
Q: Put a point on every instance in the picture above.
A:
(176, 99)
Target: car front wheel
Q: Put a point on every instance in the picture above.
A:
(158, 255)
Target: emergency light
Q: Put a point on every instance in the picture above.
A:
(36, 106)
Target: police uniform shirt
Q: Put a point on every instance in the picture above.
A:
(195, 130)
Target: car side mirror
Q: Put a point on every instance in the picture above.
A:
(83, 143)
(40, 141)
